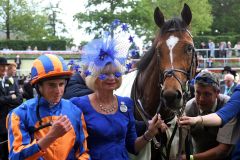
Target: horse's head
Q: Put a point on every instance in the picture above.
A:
(175, 56)
(163, 71)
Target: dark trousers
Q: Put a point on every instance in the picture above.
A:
(3, 147)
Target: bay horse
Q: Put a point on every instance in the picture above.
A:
(161, 83)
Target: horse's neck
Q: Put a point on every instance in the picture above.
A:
(147, 89)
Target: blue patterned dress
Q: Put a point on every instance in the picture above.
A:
(111, 136)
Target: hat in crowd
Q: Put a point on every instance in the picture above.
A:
(3, 61)
(112, 47)
(228, 69)
(207, 78)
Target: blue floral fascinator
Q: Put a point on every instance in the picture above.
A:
(112, 47)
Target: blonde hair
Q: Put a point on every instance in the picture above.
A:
(96, 71)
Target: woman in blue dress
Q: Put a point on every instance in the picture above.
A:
(109, 118)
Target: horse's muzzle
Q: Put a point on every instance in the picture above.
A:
(173, 99)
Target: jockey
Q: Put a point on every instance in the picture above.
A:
(48, 127)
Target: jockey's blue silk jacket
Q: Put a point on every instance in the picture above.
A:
(23, 143)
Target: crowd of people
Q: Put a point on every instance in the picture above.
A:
(65, 115)
(219, 50)
(95, 124)
(10, 98)
(78, 116)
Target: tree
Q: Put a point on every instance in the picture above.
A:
(19, 18)
(101, 13)
(139, 14)
(31, 27)
(225, 15)
(55, 24)
(69, 41)
(142, 15)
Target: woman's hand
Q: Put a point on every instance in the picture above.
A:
(154, 125)
(185, 120)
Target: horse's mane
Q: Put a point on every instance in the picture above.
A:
(174, 24)
(147, 57)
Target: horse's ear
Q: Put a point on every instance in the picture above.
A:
(186, 14)
(158, 17)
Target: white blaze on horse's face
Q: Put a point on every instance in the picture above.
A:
(171, 42)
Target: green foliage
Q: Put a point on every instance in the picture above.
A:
(21, 20)
(201, 14)
(139, 14)
(226, 14)
(202, 18)
(83, 43)
(69, 41)
(27, 21)
(41, 45)
(141, 19)
(198, 39)
(99, 17)
(31, 28)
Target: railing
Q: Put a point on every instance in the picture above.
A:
(214, 64)
(228, 52)
(38, 52)
(217, 64)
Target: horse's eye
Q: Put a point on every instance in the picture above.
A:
(189, 49)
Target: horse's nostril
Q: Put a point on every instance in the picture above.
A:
(171, 96)
(179, 95)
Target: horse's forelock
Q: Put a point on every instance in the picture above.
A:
(175, 24)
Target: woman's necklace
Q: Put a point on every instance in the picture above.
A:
(106, 108)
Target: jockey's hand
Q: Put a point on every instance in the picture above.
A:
(60, 127)
(185, 120)
(155, 124)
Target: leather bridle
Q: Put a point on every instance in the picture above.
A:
(163, 75)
